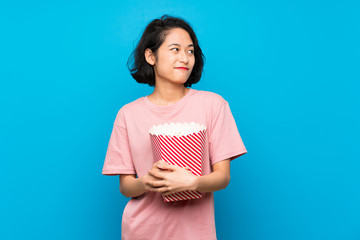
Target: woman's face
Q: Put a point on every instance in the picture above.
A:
(175, 57)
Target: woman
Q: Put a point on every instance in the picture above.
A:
(169, 58)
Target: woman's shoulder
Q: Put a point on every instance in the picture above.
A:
(211, 97)
(132, 107)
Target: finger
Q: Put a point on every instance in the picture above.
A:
(155, 167)
(167, 166)
(148, 184)
(161, 163)
(156, 163)
(156, 174)
(160, 190)
(152, 178)
(157, 184)
(187, 168)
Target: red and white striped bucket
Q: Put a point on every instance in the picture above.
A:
(183, 151)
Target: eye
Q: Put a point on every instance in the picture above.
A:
(191, 51)
(177, 49)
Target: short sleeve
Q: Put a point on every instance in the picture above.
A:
(118, 156)
(224, 140)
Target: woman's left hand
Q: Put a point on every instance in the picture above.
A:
(173, 179)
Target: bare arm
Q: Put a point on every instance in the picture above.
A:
(217, 180)
(130, 186)
(177, 179)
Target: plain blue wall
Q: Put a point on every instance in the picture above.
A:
(289, 70)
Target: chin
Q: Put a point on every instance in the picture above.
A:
(182, 80)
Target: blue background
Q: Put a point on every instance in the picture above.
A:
(289, 70)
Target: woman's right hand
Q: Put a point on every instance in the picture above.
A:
(131, 186)
(147, 177)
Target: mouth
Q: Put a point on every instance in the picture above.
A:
(183, 68)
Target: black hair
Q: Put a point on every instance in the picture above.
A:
(152, 38)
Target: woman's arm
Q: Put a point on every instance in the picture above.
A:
(176, 179)
(217, 180)
(130, 186)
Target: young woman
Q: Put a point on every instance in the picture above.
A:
(168, 57)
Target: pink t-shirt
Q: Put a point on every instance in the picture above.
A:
(130, 152)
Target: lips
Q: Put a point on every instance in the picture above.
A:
(183, 68)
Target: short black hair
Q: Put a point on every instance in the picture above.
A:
(152, 38)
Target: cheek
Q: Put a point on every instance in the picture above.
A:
(163, 63)
(166, 59)
(193, 61)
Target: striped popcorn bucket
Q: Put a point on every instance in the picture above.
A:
(180, 144)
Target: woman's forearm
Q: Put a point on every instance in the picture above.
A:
(214, 181)
(130, 186)
(217, 180)
(166, 179)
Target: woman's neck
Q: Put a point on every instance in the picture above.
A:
(167, 95)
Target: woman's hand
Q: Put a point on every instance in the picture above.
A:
(149, 178)
(131, 186)
(171, 179)
(168, 179)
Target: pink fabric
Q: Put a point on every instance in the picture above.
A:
(130, 152)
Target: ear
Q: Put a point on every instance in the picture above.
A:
(149, 56)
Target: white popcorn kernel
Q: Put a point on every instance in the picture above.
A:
(176, 129)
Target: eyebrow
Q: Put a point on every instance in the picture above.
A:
(190, 45)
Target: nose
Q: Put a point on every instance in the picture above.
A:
(183, 57)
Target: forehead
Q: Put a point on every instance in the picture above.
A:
(179, 36)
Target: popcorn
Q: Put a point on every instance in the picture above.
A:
(181, 144)
(176, 129)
